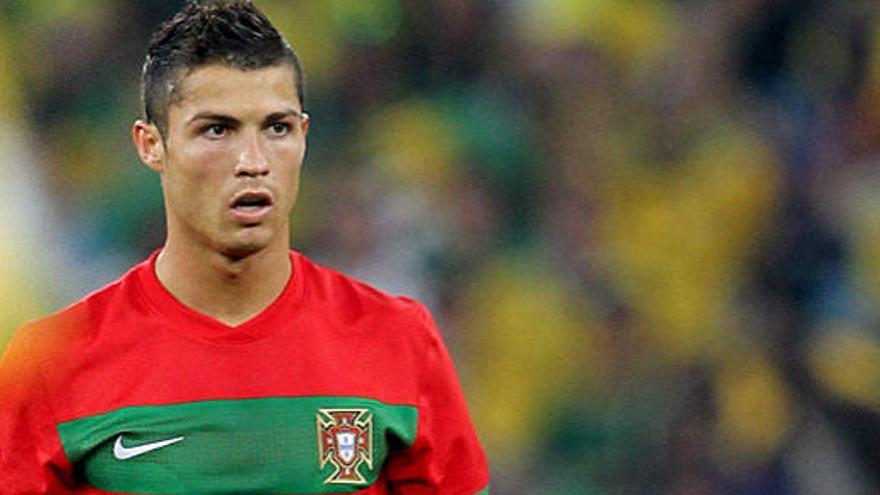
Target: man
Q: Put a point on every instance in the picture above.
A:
(227, 362)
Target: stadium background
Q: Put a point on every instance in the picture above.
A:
(647, 228)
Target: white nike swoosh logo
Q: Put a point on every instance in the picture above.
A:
(122, 452)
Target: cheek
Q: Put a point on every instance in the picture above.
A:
(289, 159)
(288, 166)
(193, 176)
(198, 164)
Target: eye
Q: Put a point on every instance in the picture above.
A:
(215, 131)
(279, 129)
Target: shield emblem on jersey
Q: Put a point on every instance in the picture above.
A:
(345, 441)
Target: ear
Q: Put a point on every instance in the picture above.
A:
(304, 124)
(149, 144)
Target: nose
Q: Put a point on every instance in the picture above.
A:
(252, 161)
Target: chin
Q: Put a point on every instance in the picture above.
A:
(240, 252)
(244, 247)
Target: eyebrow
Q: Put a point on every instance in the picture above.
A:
(276, 116)
(212, 117)
(227, 119)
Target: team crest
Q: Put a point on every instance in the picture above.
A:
(345, 440)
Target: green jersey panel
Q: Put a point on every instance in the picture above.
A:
(265, 445)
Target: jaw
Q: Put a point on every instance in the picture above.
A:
(247, 241)
(202, 231)
(272, 231)
(229, 239)
(239, 241)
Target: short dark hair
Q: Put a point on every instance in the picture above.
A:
(228, 32)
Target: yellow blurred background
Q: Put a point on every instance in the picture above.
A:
(649, 229)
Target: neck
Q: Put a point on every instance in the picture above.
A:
(228, 289)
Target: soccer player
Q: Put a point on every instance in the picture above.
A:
(226, 362)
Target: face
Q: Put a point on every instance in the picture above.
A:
(231, 160)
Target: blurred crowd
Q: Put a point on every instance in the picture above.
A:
(648, 229)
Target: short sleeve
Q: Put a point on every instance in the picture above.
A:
(31, 457)
(446, 456)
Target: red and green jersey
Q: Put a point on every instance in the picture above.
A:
(334, 388)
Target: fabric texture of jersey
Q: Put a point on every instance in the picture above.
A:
(336, 387)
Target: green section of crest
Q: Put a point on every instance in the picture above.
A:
(267, 445)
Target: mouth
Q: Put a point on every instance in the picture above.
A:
(251, 206)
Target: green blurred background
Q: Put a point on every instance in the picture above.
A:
(649, 229)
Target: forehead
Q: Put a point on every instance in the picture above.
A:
(236, 92)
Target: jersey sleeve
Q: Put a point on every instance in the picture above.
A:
(446, 456)
(31, 457)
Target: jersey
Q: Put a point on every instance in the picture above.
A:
(336, 387)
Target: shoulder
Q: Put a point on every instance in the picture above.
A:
(74, 322)
(327, 285)
(353, 299)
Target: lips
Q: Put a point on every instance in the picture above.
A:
(251, 206)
